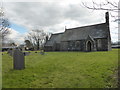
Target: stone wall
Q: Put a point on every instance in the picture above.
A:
(64, 46)
(80, 45)
(48, 48)
(72, 46)
(101, 44)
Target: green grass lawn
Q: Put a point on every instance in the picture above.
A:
(63, 70)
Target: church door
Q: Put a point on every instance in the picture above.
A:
(89, 46)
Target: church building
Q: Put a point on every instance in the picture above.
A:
(87, 38)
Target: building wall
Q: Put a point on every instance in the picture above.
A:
(64, 46)
(109, 42)
(104, 46)
(81, 45)
(101, 44)
(48, 48)
(73, 46)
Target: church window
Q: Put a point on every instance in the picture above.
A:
(77, 44)
(99, 42)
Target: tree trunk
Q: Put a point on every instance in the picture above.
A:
(38, 45)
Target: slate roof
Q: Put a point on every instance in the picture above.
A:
(80, 33)
(54, 38)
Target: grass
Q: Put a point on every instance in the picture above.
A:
(63, 70)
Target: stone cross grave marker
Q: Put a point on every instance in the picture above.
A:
(18, 60)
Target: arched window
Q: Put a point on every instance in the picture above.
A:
(77, 44)
(99, 43)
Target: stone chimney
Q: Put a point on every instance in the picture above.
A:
(107, 17)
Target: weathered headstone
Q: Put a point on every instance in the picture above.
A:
(10, 52)
(18, 60)
(42, 52)
(26, 53)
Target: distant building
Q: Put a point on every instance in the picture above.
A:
(6, 46)
(87, 38)
(115, 46)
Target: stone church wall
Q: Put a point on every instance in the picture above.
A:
(101, 44)
(63, 46)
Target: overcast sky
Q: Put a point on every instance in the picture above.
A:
(52, 16)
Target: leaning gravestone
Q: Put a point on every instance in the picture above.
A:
(18, 60)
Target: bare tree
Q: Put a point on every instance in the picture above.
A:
(37, 37)
(4, 25)
(106, 5)
(28, 45)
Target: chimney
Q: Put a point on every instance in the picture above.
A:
(107, 17)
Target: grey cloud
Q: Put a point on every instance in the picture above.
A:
(46, 14)
(75, 12)
(82, 15)
(43, 14)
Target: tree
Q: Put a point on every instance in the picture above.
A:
(111, 6)
(37, 37)
(28, 44)
(4, 25)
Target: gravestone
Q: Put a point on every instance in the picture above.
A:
(10, 52)
(26, 53)
(18, 60)
(42, 52)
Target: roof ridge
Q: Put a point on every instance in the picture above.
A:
(57, 33)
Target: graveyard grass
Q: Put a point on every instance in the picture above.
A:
(63, 70)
